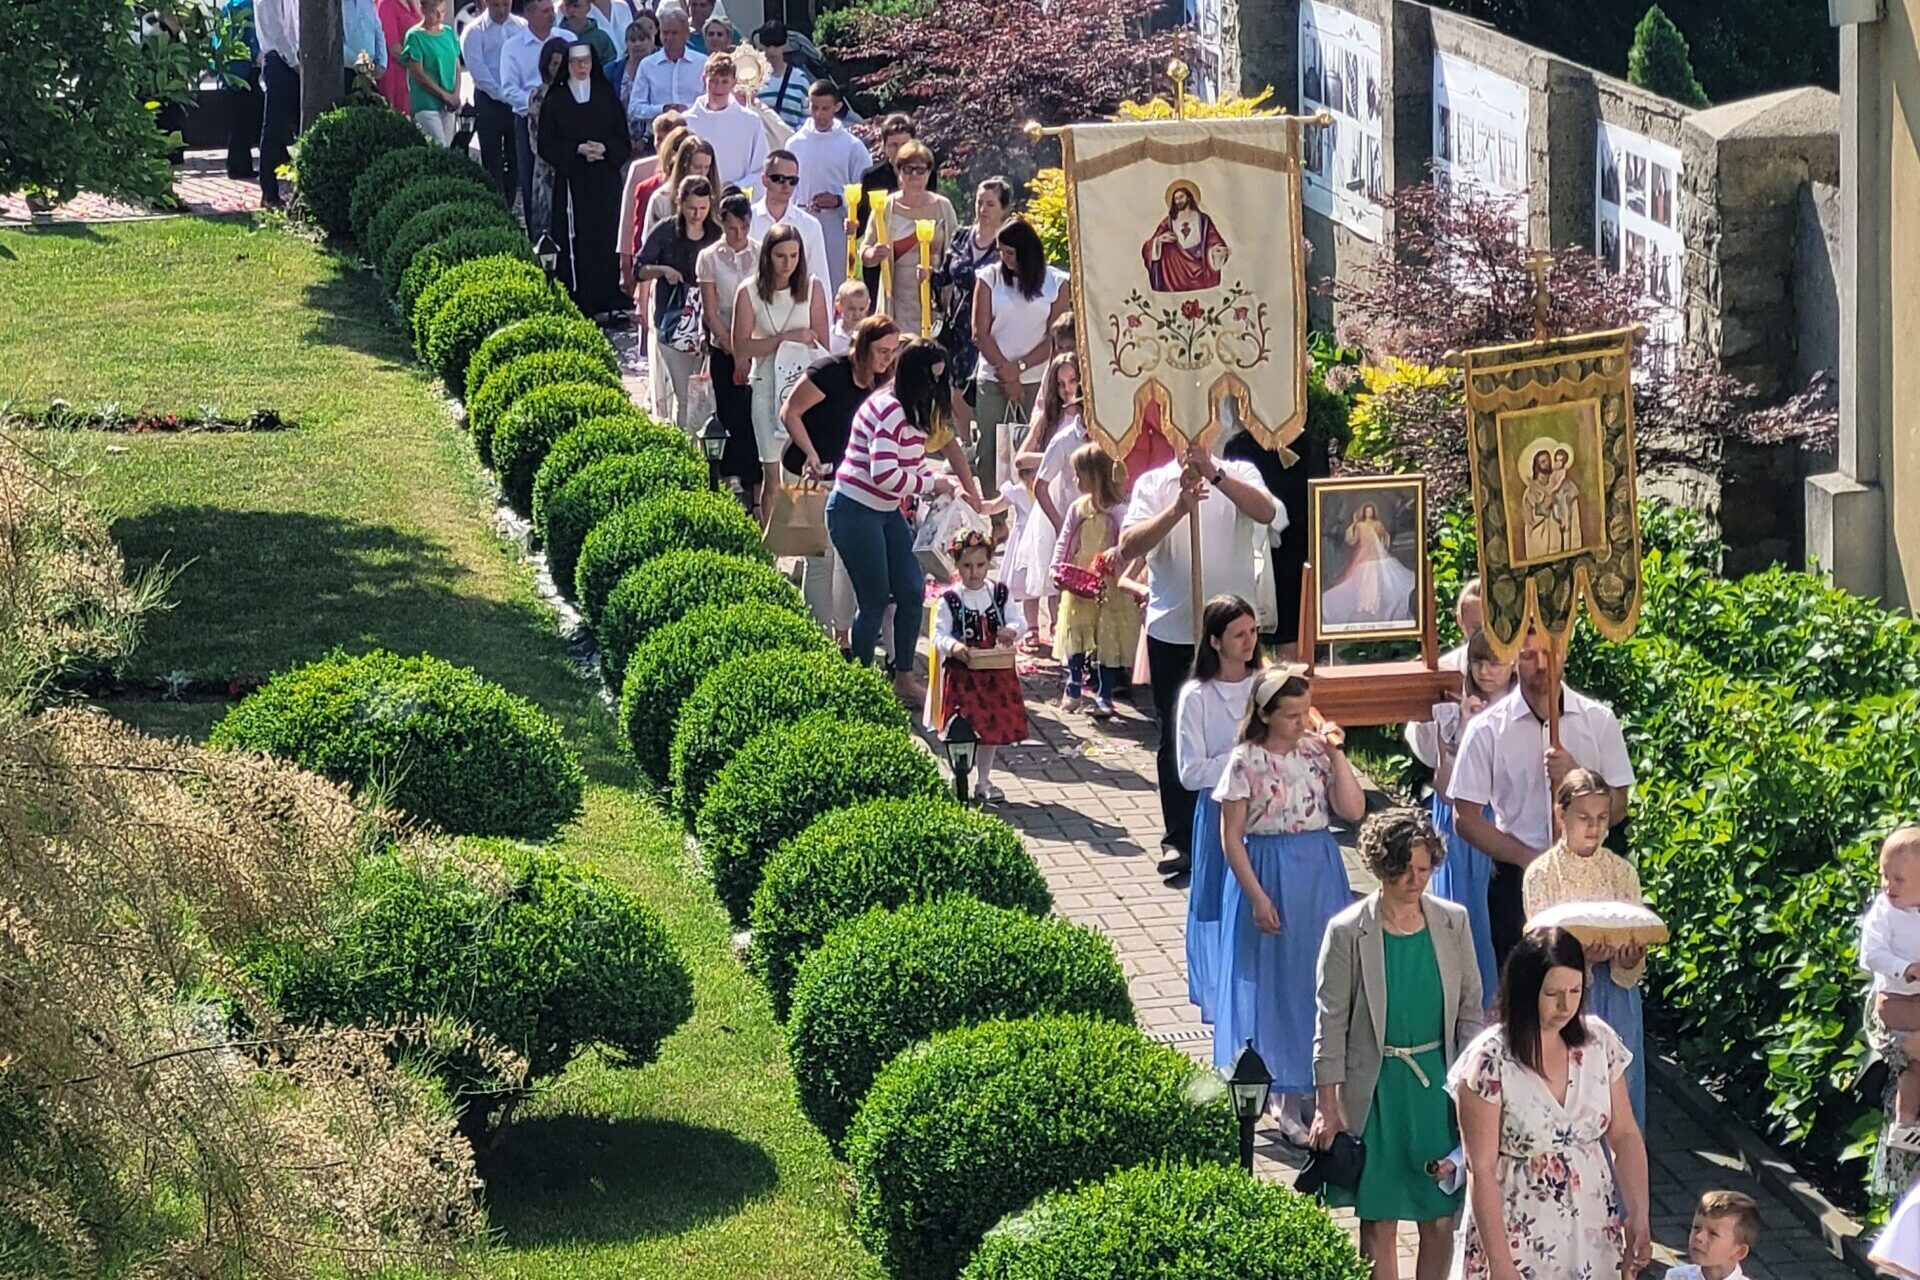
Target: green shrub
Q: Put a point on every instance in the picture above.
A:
(738, 699)
(333, 153)
(882, 853)
(474, 311)
(591, 442)
(890, 979)
(783, 779)
(504, 266)
(422, 195)
(496, 240)
(442, 220)
(671, 522)
(394, 170)
(1170, 1222)
(668, 587)
(537, 420)
(535, 334)
(975, 1124)
(452, 748)
(604, 488)
(524, 945)
(488, 401)
(664, 670)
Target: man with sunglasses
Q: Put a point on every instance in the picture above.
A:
(779, 178)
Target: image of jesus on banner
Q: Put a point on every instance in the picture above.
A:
(1186, 251)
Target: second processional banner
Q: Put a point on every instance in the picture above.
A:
(1188, 277)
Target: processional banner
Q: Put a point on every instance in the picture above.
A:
(1550, 440)
(1189, 278)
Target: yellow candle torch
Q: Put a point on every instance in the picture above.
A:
(883, 236)
(853, 191)
(923, 229)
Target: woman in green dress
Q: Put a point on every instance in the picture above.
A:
(1399, 998)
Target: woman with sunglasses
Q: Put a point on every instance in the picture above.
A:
(897, 243)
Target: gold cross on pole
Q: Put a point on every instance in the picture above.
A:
(1538, 266)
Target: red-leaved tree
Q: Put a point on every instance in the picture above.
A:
(973, 72)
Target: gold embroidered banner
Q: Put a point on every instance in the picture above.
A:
(1189, 290)
(1550, 440)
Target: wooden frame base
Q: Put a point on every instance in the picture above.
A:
(1376, 693)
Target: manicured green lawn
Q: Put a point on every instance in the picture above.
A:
(369, 526)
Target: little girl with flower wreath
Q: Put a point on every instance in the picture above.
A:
(974, 617)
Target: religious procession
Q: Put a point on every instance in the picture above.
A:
(991, 640)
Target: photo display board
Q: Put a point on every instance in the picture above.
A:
(1340, 72)
(1636, 226)
(1480, 132)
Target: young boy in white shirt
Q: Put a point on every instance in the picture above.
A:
(1726, 1227)
(1890, 951)
(851, 305)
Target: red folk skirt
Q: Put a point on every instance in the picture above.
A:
(990, 700)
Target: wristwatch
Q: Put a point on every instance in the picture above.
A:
(1217, 473)
(1021, 365)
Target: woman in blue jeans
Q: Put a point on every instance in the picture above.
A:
(884, 465)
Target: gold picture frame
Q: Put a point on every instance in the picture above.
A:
(1368, 543)
(1552, 463)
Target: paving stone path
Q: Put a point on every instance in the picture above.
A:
(200, 184)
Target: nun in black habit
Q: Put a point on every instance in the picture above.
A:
(583, 136)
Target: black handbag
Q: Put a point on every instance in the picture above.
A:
(1337, 1166)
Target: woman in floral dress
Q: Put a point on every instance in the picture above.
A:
(1556, 1166)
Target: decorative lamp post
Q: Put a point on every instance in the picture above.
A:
(713, 445)
(961, 741)
(1251, 1082)
(548, 253)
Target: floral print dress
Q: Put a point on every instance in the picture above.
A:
(1562, 1212)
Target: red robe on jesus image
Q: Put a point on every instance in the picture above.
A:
(1186, 251)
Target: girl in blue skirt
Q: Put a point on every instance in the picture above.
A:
(1285, 781)
(1207, 719)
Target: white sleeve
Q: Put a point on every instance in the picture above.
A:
(943, 638)
(1241, 469)
(1877, 952)
(1423, 739)
(1611, 747)
(1146, 503)
(1473, 767)
(1015, 615)
(1198, 770)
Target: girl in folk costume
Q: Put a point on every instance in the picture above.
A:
(1286, 780)
(1046, 455)
(1098, 621)
(976, 615)
(1581, 869)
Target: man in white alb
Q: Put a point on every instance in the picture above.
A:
(738, 138)
(831, 159)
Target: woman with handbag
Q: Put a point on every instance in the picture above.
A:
(1381, 1072)
(670, 258)
(721, 269)
(1015, 303)
(783, 304)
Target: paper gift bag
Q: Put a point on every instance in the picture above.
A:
(797, 521)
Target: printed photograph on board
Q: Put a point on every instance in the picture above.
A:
(1553, 487)
(1369, 538)
(1609, 176)
(1662, 211)
(1610, 243)
(1636, 182)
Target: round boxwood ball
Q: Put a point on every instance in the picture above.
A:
(593, 441)
(738, 699)
(664, 670)
(422, 195)
(474, 311)
(976, 1123)
(1169, 1221)
(670, 522)
(604, 488)
(427, 306)
(485, 241)
(539, 418)
(882, 853)
(429, 225)
(451, 748)
(890, 979)
(384, 178)
(789, 775)
(535, 334)
(333, 153)
(489, 401)
(667, 588)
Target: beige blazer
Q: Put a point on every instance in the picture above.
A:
(1350, 1026)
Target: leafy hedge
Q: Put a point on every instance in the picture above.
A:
(538, 334)
(452, 748)
(783, 779)
(336, 149)
(670, 522)
(738, 699)
(593, 441)
(505, 266)
(537, 420)
(394, 170)
(442, 220)
(663, 671)
(668, 587)
(497, 240)
(890, 979)
(474, 311)
(607, 486)
(422, 195)
(882, 853)
(488, 401)
(975, 1124)
(1170, 1222)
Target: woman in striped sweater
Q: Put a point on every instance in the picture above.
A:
(883, 467)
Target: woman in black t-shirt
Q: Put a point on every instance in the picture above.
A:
(668, 258)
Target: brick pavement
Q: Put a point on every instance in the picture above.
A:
(200, 185)
(1082, 793)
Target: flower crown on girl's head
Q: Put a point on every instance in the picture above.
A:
(968, 540)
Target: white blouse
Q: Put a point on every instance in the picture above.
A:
(978, 600)
(1208, 717)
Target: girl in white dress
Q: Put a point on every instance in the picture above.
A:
(782, 304)
(1046, 454)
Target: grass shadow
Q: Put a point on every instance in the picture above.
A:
(569, 1179)
(348, 309)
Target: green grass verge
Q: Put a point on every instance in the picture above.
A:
(368, 526)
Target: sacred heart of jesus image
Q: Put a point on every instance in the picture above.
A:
(1186, 252)
(1212, 321)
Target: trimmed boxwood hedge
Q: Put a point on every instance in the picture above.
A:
(669, 587)
(488, 401)
(662, 672)
(528, 946)
(605, 487)
(890, 979)
(1166, 1221)
(474, 311)
(536, 334)
(594, 441)
(442, 220)
(786, 777)
(670, 522)
(738, 699)
(536, 421)
(883, 853)
(394, 170)
(452, 748)
(505, 266)
(422, 195)
(451, 250)
(976, 1123)
(336, 149)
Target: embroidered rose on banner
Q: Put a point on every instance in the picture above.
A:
(1228, 332)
